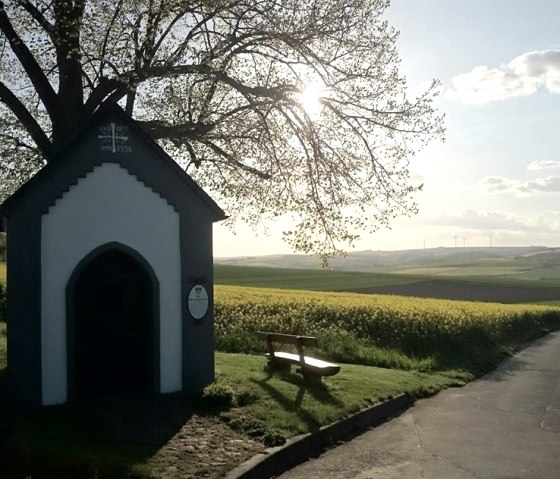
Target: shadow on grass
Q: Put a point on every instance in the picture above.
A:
(515, 364)
(478, 354)
(318, 391)
(292, 405)
(105, 438)
(313, 385)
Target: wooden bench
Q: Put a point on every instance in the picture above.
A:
(308, 366)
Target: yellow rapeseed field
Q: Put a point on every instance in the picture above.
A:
(413, 325)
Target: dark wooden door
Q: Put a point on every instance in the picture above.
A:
(113, 327)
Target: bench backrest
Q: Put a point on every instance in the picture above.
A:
(287, 338)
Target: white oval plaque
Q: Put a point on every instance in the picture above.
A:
(198, 301)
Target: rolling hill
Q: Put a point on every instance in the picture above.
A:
(500, 274)
(532, 263)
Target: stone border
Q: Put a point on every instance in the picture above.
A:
(277, 460)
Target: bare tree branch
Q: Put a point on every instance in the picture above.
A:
(28, 62)
(26, 119)
(38, 17)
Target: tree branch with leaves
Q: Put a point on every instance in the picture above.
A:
(220, 85)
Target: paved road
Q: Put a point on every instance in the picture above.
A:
(506, 425)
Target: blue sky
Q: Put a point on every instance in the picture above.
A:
(497, 177)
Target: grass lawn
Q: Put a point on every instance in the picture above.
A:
(285, 405)
(2, 272)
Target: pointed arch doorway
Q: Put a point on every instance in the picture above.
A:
(112, 334)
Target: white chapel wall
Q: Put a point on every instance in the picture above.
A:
(108, 205)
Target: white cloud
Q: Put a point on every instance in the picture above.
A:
(550, 184)
(543, 67)
(543, 165)
(522, 76)
(496, 184)
(492, 221)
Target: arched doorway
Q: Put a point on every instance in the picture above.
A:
(112, 326)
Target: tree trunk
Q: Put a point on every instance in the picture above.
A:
(70, 114)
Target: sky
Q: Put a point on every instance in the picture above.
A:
(496, 179)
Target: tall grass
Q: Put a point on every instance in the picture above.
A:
(390, 331)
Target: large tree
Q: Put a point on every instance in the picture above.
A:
(224, 86)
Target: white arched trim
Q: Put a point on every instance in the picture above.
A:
(108, 205)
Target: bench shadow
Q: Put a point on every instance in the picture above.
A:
(318, 392)
(290, 405)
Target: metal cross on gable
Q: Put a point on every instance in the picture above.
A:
(113, 135)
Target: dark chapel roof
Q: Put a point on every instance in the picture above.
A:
(147, 161)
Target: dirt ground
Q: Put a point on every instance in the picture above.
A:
(179, 442)
(203, 448)
(170, 441)
(459, 290)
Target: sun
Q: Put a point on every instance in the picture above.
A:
(310, 99)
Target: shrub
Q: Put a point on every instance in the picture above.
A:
(216, 396)
(256, 429)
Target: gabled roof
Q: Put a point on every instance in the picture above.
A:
(65, 160)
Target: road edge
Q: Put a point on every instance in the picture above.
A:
(277, 460)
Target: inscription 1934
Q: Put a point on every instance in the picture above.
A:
(113, 138)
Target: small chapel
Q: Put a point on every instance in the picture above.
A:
(109, 266)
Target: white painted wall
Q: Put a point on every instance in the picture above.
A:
(109, 204)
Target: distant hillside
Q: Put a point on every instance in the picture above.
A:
(372, 260)
(492, 289)
(526, 263)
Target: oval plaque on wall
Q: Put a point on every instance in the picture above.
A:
(198, 301)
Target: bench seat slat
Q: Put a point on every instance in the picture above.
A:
(318, 366)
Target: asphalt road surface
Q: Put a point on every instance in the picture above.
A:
(505, 425)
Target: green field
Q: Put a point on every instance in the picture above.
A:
(494, 270)
(308, 279)
(501, 289)
(2, 272)
(328, 280)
